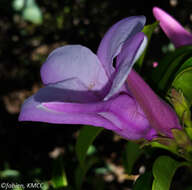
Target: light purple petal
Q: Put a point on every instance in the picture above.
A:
(115, 37)
(172, 28)
(74, 61)
(131, 51)
(71, 90)
(160, 115)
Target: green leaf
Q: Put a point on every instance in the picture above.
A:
(165, 81)
(164, 169)
(185, 65)
(148, 31)
(81, 172)
(86, 137)
(164, 64)
(59, 178)
(183, 78)
(130, 155)
(32, 12)
(144, 182)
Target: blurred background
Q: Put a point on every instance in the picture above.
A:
(29, 31)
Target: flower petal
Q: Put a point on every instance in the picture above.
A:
(172, 28)
(160, 115)
(35, 111)
(34, 108)
(123, 111)
(74, 61)
(121, 115)
(113, 40)
(129, 54)
(70, 90)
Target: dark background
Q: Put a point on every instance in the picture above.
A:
(26, 146)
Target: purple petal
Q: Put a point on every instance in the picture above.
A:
(125, 112)
(33, 108)
(172, 28)
(74, 61)
(71, 90)
(160, 115)
(129, 54)
(113, 40)
(35, 111)
(122, 111)
(121, 115)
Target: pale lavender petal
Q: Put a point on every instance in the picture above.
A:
(74, 61)
(113, 40)
(160, 115)
(172, 28)
(70, 90)
(129, 54)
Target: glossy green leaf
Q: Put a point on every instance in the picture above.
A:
(59, 179)
(144, 182)
(86, 137)
(130, 155)
(185, 65)
(164, 169)
(183, 82)
(164, 64)
(168, 76)
(148, 31)
(81, 171)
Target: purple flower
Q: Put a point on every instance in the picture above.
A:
(172, 28)
(84, 88)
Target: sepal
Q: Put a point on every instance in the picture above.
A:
(182, 108)
(180, 144)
